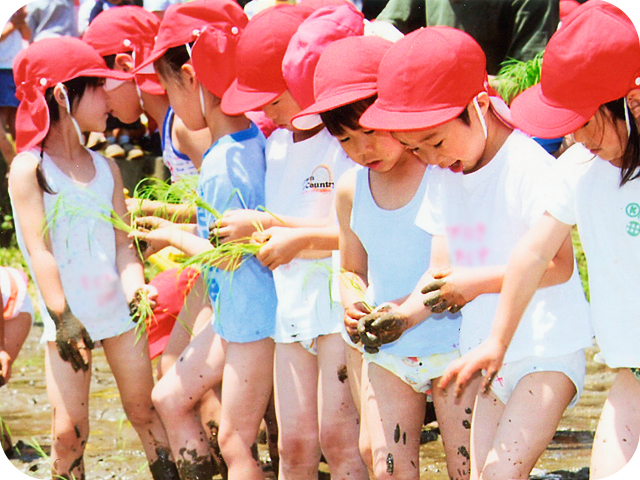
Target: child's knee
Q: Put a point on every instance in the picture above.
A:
(70, 439)
(140, 413)
(299, 449)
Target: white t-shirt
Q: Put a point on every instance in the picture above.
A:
(300, 182)
(483, 215)
(587, 192)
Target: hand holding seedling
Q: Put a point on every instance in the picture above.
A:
(151, 234)
(72, 339)
(446, 291)
(352, 314)
(280, 246)
(239, 224)
(143, 302)
(5, 367)
(488, 357)
(383, 325)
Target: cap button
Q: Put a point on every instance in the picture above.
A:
(637, 80)
(196, 32)
(126, 42)
(234, 30)
(43, 82)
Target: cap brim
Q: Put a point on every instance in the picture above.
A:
(153, 56)
(105, 73)
(532, 113)
(148, 83)
(236, 101)
(309, 118)
(378, 118)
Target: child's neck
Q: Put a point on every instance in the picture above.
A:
(497, 134)
(220, 124)
(302, 135)
(397, 187)
(62, 141)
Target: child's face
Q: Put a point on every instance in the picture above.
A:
(374, 149)
(125, 102)
(282, 110)
(91, 111)
(184, 98)
(604, 136)
(453, 145)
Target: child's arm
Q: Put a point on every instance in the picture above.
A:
(72, 339)
(5, 358)
(175, 211)
(128, 263)
(537, 261)
(353, 259)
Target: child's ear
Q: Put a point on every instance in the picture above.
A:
(633, 99)
(60, 94)
(188, 75)
(484, 101)
(124, 62)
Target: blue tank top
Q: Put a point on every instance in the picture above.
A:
(177, 162)
(396, 261)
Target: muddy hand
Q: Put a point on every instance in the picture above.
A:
(441, 295)
(351, 318)
(73, 340)
(381, 326)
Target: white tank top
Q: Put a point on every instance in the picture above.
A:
(85, 250)
(398, 255)
(177, 162)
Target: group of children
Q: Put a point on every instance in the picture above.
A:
(410, 235)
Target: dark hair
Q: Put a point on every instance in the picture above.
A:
(171, 62)
(346, 116)
(75, 90)
(110, 60)
(464, 116)
(630, 160)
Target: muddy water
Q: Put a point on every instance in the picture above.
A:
(114, 452)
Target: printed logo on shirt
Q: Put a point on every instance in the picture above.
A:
(320, 180)
(633, 211)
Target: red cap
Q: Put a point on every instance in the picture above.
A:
(566, 7)
(40, 67)
(347, 71)
(213, 56)
(259, 58)
(182, 23)
(127, 29)
(594, 58)
(426, 79)
(323, 27)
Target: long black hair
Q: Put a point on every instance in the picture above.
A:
(630, 160)
(75, 90)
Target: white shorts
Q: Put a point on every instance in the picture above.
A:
(15, 298)
(572, 365)
(417, 372)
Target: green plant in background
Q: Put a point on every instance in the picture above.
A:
(515, 76)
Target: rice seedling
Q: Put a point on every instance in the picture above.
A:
(141, 313)
(515, 76)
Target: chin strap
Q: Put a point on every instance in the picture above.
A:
(627, 121)
(68, 108)
(480, 116)
(202, 107)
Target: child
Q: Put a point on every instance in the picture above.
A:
(592, 93)
(313, 403)
(237, 349)
(389, 191)
(125, 36)
(85, 272)
(483, 198)
(15, 324)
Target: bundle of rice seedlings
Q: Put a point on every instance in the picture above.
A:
(141, 312)
(515, 76)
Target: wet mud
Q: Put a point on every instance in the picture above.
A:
(113, 450)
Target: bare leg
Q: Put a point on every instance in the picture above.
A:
(338, 417)
(618, 430)
(132, 370)
(176, 397)
(68, 394)
(394, 415)
(454, 420)
(6, 148)
(193, 318)
(246, 388)
(527, 425)
(296, 398)
(16, 332)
